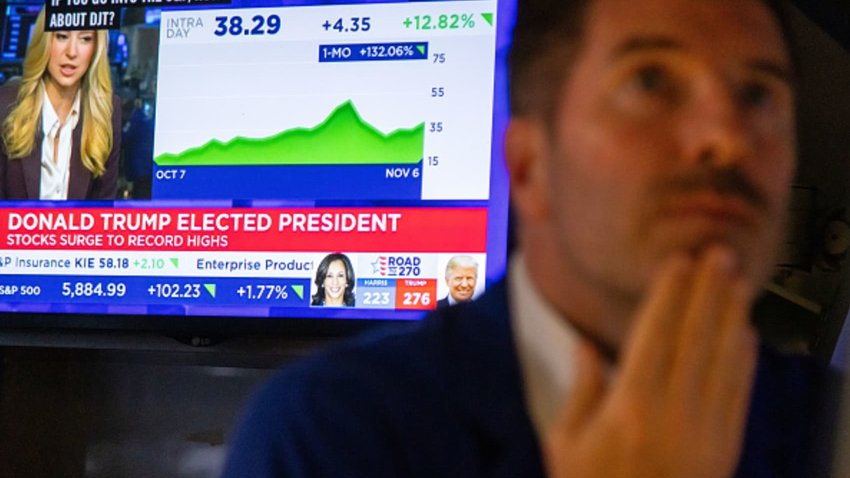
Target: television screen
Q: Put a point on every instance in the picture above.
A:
(274, 159)
(18, 19)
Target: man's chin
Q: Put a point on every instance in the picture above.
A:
(694, 239)
(754, 258)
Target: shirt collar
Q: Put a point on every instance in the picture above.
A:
(546, 347)
(49, 116)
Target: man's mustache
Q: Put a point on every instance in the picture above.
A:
(726, 182)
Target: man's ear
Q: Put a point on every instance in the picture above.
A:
(525, 154)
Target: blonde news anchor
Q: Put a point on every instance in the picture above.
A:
(61, 132)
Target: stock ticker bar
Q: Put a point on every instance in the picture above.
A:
(401, 294)
(218, 291)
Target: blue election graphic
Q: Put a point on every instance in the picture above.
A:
(213, 291)
(373, 52)
(327, 182)
(376, 293)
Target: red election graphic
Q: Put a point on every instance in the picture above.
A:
(416, 294)
(246, 229)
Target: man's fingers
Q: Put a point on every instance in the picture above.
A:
(702, 325)
(589, 389)
(734, 361)
(648, 354)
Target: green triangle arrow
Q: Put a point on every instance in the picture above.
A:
(211, 289)
(175, 262)
(299, 291)
(488, 17)
(421, 49)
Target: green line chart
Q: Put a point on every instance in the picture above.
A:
(343, 138)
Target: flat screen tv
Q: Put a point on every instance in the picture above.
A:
(276, 158)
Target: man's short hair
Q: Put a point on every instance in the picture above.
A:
(461, 262)
(547, 36)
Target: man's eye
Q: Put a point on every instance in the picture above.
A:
(756, 94)
(651, 79)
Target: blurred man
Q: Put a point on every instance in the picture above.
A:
(651, 151)
(461, 276)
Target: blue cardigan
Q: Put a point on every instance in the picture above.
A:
(443, 398)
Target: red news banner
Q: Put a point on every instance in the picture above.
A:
(247, 229)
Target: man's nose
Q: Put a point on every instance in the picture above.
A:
(716, 130)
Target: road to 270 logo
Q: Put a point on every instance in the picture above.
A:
(397, 266)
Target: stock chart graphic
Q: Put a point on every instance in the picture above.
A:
(343, 138)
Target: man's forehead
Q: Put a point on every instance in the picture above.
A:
(743, 28)
(464, 271)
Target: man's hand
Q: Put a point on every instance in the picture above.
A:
(678, 403)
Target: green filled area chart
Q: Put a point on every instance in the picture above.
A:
(355, 102)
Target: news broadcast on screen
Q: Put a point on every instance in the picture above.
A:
(251, 158)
